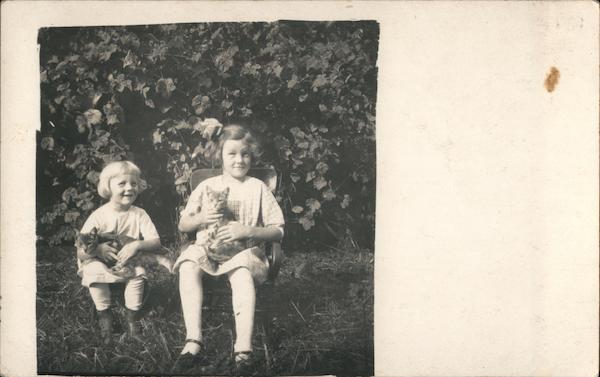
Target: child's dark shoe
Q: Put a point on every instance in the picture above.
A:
(105, 321)
(134, 326)
(187, 361)
(243, 364)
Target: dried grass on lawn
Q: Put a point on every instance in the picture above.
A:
(321, 321)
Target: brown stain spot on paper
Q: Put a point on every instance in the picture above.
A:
(552, 79)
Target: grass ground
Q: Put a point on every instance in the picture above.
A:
(320, 321)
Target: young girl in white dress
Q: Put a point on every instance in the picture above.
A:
(119, 183)
(258, 219)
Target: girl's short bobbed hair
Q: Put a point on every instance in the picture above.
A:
(112, 170)
(237, 132)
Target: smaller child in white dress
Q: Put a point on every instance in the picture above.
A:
(257, 218)
(119, 183)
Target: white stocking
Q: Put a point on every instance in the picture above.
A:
(100, 293)
(190, 290)
(134, 293)
(243, 298)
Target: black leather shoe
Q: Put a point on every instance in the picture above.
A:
(134, 326)
(187, 361)
(244, 364)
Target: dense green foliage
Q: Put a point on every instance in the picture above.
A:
(147, 93)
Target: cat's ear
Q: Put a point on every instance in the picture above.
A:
(94, 231)
(226, 191)
(209, 190)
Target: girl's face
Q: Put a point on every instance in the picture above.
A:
(236, 158)
(123, 190)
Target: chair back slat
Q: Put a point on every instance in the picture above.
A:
(267, 175)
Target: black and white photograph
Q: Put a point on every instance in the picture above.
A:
(205, 197)
(299, 188)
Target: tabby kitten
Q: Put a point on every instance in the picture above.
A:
(89, 241)
(215, 250)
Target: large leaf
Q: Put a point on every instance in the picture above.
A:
(129, 60)
(307, 222)
(319, 183)
(69, 194)
(157, 137)
(313, 204)
(165, 87)
(200, 104)
(71, 216)
(320, 81)
(224, 60)
(93, 116)
(47, 143)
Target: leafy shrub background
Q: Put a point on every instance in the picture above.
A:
(147, 93)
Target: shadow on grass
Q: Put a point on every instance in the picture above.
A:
(316, 319)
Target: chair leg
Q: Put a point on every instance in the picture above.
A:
(265, 321)
(173, 303)
(267, 359)
(265, 332)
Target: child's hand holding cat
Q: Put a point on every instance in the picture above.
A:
(191, 222)
(128, 251)
(106, 252)
(233, 232)
(209, 216)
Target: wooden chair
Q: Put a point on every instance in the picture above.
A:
(269, 177)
